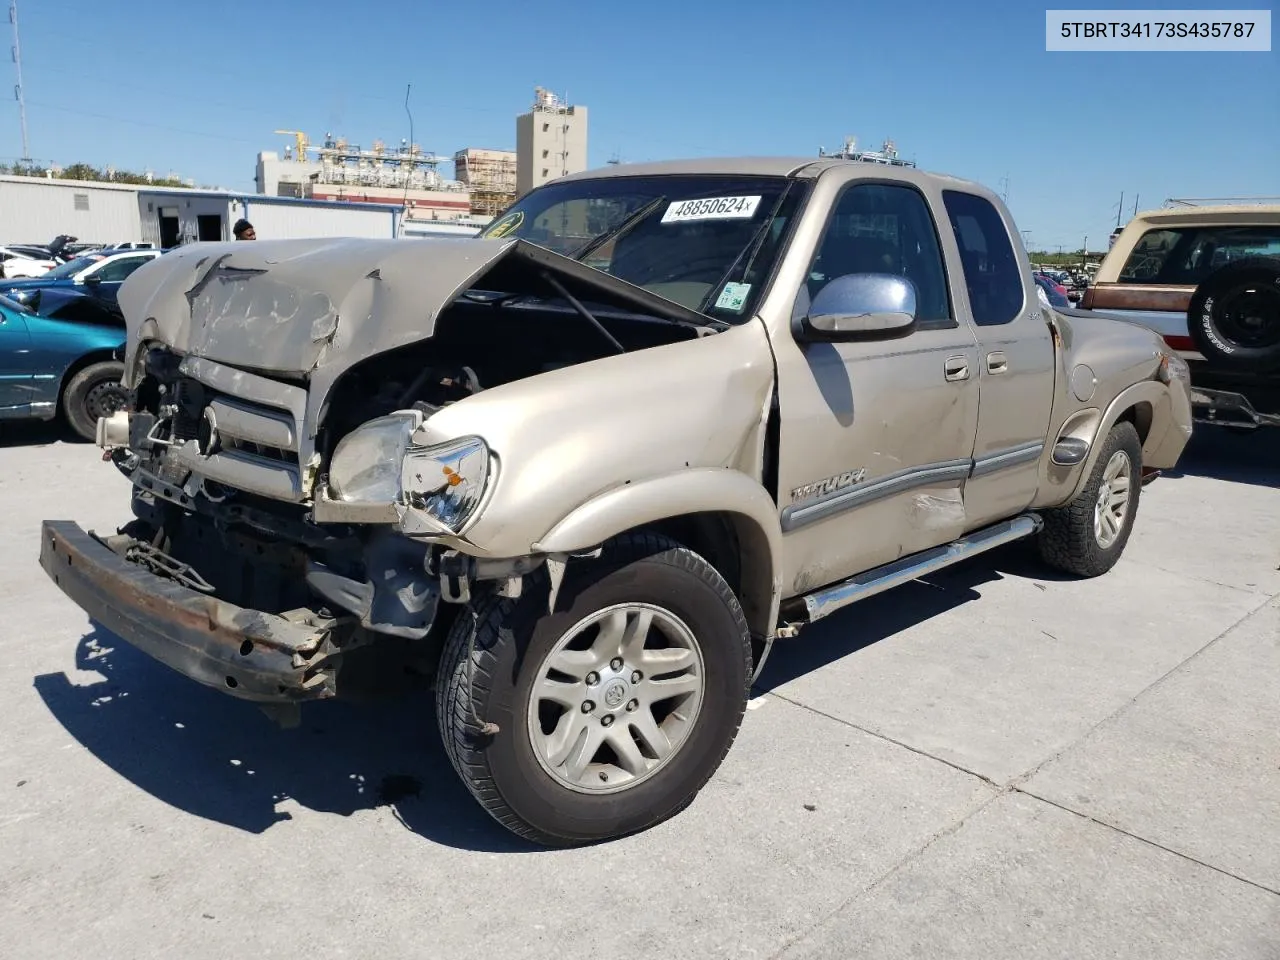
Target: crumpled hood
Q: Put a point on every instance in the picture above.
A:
(304, 309)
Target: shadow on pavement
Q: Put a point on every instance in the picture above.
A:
(1221, 454)
(36, 433)
(880, 617)
(223, 759)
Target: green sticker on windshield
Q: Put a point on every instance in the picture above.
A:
(733, 297)
(504, 225)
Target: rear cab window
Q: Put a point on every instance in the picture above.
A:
(1187, 255)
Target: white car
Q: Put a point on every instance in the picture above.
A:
(19, 265)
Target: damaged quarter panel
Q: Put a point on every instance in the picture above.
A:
(568, 436)
(1109, 369)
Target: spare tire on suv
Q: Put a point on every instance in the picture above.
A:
(1234, 316)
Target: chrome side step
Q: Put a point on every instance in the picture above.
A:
(828, 600)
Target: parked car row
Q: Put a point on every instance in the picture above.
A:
(19, 261)
(61, 337)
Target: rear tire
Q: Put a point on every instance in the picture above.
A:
(1086, 536)
(1234, 316)
(561, 702)
(96, 391)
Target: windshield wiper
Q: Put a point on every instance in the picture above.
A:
(591, 246)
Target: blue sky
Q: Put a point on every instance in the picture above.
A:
(975, 94)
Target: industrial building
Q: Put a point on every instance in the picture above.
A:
(489, 177)
(339, 170)
(37, 210)
(551, 141)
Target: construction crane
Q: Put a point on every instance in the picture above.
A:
(300, 138)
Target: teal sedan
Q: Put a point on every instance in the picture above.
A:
(67, 363)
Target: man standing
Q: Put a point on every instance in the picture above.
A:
(243, 230)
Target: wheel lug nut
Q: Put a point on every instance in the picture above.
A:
(587, 706)
(632, 705)
(616, 663)
(607, 719)
(593, 678)
(636, 677)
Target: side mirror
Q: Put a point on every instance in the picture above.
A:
(862, 306)
(95, 280)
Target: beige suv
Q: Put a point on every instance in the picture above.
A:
(1207, 279)
(585, 470)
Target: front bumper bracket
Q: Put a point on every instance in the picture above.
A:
(263, 657)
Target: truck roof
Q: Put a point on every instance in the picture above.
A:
(1233, 213)
(799, 167)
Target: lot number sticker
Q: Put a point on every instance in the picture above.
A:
(712, 208)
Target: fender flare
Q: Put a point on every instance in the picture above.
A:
(701, 490)
(1152, 392)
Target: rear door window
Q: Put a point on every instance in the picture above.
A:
(991, 273)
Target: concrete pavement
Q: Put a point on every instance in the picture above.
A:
(996, 763)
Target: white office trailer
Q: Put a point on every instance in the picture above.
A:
(35, 210)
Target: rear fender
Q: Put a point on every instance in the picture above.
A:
(1153, 411)
(729, 492)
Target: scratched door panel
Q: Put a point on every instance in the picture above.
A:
(885, 421)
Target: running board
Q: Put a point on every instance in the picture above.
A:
(828, 600)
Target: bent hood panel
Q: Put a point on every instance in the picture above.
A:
(291, 307)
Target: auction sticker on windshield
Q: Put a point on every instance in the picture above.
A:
(712, 208)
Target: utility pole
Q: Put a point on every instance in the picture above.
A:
(17, 90)
(1120, 210)
(1084, 252)
(1135, 205)
(1004, 192)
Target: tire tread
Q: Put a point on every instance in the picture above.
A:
(1066, 541)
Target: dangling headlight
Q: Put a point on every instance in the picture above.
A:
(378, 463)
(366, 465)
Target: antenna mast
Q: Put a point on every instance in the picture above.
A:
(17, 89)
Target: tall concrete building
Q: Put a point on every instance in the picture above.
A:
(551, 141)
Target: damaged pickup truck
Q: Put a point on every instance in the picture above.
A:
(584, 470)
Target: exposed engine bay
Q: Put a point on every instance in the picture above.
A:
(206, 447)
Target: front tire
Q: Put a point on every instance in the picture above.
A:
(1086, 536)
(613, 711)
(96, 391)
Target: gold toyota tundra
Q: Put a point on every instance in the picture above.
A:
(584, 470)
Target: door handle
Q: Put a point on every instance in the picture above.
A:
(957, 368)
(997, 362)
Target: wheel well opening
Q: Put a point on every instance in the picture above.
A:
(713, 537)
(1140, 415)
(104, 355)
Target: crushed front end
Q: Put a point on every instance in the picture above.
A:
(292, 501)
(224, 574)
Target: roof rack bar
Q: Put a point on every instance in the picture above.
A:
(1216, 201)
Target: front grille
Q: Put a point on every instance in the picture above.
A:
(248, 430)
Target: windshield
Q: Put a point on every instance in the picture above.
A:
(72, 268)
(706, 242)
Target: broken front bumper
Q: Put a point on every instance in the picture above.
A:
(246, 653)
